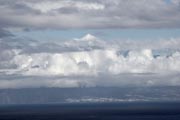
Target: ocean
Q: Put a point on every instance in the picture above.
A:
(96, 111)
(98, 103)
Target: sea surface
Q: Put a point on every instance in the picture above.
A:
(96, 111)
(98, 103)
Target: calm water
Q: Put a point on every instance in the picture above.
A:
(88, 95)
(102, 103)
(104, 111)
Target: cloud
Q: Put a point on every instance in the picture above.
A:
(63, 14)
(89, 61)
(90, 56)
(95, 62)
(48, 6)
(103, 80)
(5, 33)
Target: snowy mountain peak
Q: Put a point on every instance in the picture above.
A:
(88, 37)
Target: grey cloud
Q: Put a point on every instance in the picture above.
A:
(66, 10)
(88, 61)
(62, 14)
(5, 33)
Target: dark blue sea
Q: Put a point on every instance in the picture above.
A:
(98, 103)
(95, 111)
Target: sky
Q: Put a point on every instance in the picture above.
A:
(69, 43)
(105, 34)
(58, 20)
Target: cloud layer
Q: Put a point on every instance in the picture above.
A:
(94, 62)
(89, 61)
(63, 14)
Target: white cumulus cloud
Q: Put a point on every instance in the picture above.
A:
(89, 61)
